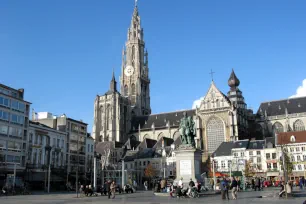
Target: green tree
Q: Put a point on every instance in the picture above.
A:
(150, 172)
(248, 171)
(288, 163)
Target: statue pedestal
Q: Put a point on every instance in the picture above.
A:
(188, 164)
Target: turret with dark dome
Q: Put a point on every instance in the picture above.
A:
(233, 81)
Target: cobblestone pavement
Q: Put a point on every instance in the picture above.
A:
(268, 196)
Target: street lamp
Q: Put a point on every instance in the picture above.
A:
(230, 166)
(214, 173)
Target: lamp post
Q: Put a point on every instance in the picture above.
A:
(230, 166)
(284, 170)
(214, 173)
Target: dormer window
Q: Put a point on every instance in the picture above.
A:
(292, 138)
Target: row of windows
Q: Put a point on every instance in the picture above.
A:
(255, 153)
(268, 156)
(16, 105)
(274, 165)
(8, 92)
(4, 115)
(16, 132)
(10, 145)
(292, 149)
(298, 158)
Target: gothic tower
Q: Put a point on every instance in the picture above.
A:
(134, 80)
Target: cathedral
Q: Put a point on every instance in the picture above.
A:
(126, 114)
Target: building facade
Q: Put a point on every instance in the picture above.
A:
(76, 141)
(46, 146)
(14, 125)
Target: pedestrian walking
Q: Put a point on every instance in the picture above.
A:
(234, 187)
(212, 183)
(108, 187)
(239, 184)
(257, 184)
(224, 189)
(146, 185)
(301, 183)
(113, 189)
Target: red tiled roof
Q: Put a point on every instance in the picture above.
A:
(285, 137)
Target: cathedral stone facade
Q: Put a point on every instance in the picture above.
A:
(119, 116)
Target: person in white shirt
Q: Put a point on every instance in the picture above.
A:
(180, 183)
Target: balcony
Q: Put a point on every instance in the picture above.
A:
(272, 170)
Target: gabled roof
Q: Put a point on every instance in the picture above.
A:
(287, 137)
(131, 144)
(225, 149)
(146, 143)
(273, 108)
(159, 120)
(167, 142)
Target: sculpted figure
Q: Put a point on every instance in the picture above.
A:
(187, 130)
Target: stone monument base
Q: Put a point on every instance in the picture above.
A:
(188, 164)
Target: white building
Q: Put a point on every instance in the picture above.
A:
(46, 146)
(294, 144)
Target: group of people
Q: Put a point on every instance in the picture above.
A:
(87, 190)
(257, 184)
(109, 188)
(227, 185)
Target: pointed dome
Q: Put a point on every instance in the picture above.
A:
(233, 81)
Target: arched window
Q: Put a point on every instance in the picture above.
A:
(278, 127)
(126, 90)
(160, 136)
(298, 125)
(292, 138)
(133, 89)
(215, 134)
(145, 136)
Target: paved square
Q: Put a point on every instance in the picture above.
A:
(149, 198)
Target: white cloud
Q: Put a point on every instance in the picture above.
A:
(197, 103)
(301, 90)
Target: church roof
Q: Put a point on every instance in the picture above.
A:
(273, 108)
(159, 121)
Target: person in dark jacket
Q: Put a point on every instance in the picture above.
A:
(105, 188)
(234, 187)
(257, 184)
(239, 184)
(108, 189)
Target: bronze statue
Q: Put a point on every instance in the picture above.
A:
(187, 130)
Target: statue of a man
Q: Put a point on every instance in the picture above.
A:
(187, 130)
(184, 128)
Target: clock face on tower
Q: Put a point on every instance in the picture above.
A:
(129, 70)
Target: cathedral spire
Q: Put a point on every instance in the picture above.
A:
(233, 81)
(113, 83)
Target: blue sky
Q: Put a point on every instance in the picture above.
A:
(63, 52)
